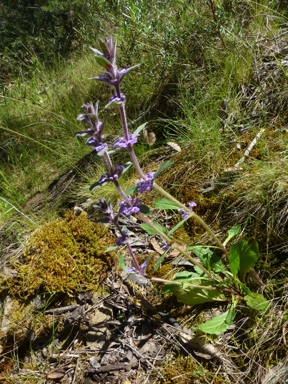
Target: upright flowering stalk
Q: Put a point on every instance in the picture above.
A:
(106, 58)
(113, 77)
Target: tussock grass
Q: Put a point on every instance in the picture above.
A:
(262, 197)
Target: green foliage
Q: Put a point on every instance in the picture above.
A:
(208, 258)
(243, 257)
(152, 231)
(234, 231)
(193, 289)
(45, 31)
(218, 324)
(65, 255)
(256, 301)
(164, 203)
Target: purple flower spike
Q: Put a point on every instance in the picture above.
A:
(129, 209)
(106, 211)
(192, 204)
(108, 47)
(123, 143)
(96, 126)
(147, 184)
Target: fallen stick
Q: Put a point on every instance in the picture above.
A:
(249, 148)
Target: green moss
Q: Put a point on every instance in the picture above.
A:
(185, 369)
(64, 255)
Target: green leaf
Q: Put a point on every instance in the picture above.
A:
(208, 258)
(159, 261)
(96, 185)
(122, 263)
(234, 259)
(113, 103)
(129, 191)
(98, 53)
(234, 231)
(248, 259)
(144, 209)
(138, 130)
(112, 248)
(104, 47)
(256, 301)
(165, 204)
(218, 324)
(178, 225)
(194, 290)
(103, 62)
(126, 166)
(102, 152)
(243, 257)
(162, 167)
(152, 231)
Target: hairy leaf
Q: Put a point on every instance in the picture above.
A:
(122, 263)
(152, 231)
(112, 248)
(248, 259)
(129, 191)
(165, 204)
(243, 257)
(256, 301)
(162, 167)
(234, 231)
(218, 324)
(138, 130)
(194, 290)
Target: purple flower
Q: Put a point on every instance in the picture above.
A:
(129, 208)
(101, 147)
(185, 214)
(146, 184)
(106, 211)
(96, 126)
(134, 270)
(121, 240)
(165, 247)
(114, 77)
(113, 176)
(191, 205)
(115, 100)
(123, 143)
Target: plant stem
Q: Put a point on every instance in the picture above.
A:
(194, 215)
(175, 246)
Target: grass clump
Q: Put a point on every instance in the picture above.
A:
(64, 255)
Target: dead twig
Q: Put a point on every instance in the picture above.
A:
(55, 311)
(249, 148)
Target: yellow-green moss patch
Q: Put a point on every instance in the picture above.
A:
(64, 255)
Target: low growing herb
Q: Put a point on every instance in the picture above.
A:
(214, 278)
